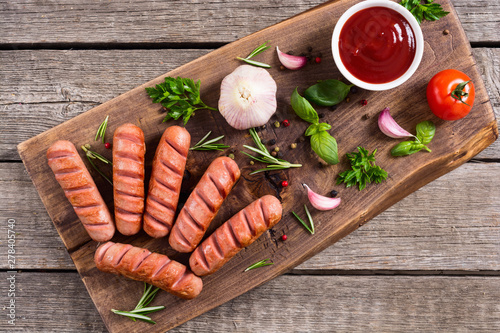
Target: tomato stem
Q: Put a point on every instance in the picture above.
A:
(458, 93)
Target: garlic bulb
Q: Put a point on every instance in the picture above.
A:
(247, 97)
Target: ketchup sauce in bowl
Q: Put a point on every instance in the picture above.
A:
(377, 45)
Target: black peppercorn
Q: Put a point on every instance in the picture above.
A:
(334, 193)
(321, 115)
(272, 142)
(354, 89)
(332, 108)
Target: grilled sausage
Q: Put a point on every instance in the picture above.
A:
(235, 234)
(166, 178)
(81, 191)
(153, 268)
(128, 178)
(203, 204)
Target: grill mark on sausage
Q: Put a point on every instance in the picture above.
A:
(128, 174)
(229, 171)
(183, 238)
(128, 137)
(120, 258)
(205, 201)
(168, 166)
(129, 194)
(184, 274)
(174, 148)
(57, 157)
(219, 188)
(88, 206)
(67, 171)
(203, 258)
(161, 203)
(159, 268)
(103, 251)
(79, 188)
(158, 220)
(127, 156)
(267, 221)
(196, 223)
(249, 224)
(143, 260)
(167, 186)
(124, 211)
(233, 236)
(218, 249)
(90, 226)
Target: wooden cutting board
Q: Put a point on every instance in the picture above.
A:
(352, 124)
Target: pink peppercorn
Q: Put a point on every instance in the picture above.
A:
(284, 238)
(317, 60)
(284, 183)
(107, 145)
(364, 102)
(286, 123)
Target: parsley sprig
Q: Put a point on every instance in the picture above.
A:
(258, 50)
(429, 10)
(141, 310)
(363, 170)
(180, 96)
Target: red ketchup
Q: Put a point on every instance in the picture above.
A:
(377, 45)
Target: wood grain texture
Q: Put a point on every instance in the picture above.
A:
(317, 303)
(48, 87)
(469, 137)
(196, 21)
(458, 232)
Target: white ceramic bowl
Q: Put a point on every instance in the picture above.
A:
(419, 44)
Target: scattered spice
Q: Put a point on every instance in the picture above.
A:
(276, 149)
(354, 89)
(282, 68)
(347, 100)
(264, 126)
(252, 162)
(364, 102)
(446, 32)
(293, 145)
(272, 142)
(317, 60)
(332, 108)
(231, 156)
(276, 124)
(274, 153)
(286, 123)
(321, 115)
(333, 193)
(284, 238)
(107, 145)
(284, 183)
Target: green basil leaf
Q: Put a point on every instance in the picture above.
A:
(324, 127)
(312, 129)
(303, 108)
(325, 146)
(327, 93)
(426, 131)
(406, 148)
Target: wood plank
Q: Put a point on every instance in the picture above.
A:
(31, 21)
(287, 304)
(458, 143)
(461, 232)
(69, 83)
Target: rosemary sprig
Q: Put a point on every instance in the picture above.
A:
(92, 155)
(266, 157)
(259, 264)
(210, 144)
(141, 310)
(258, 50)
(101, 131)
(309, 217)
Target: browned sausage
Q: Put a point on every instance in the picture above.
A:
(203, 204)
(153, 268)
(235, 234)
(128, 178)
(166, 178)
(81, 191)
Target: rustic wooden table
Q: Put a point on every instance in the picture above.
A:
(431, 262)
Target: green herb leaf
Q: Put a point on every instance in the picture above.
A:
(92, 155)
(303, 108)
(429, 10)
(265, 156)
(363, 170)
(210, 144)
(258, 50)
(180, 96)
(101, 131)
(325, 146)
(140, 309)
(406, 148)
(426, 131)
(258, 264)
(327, 93)
(309, 227)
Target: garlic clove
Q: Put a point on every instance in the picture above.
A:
(247, 97)
(321, 202)
(389, 127)
(290, 61)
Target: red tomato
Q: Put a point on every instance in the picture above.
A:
(446, 98)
